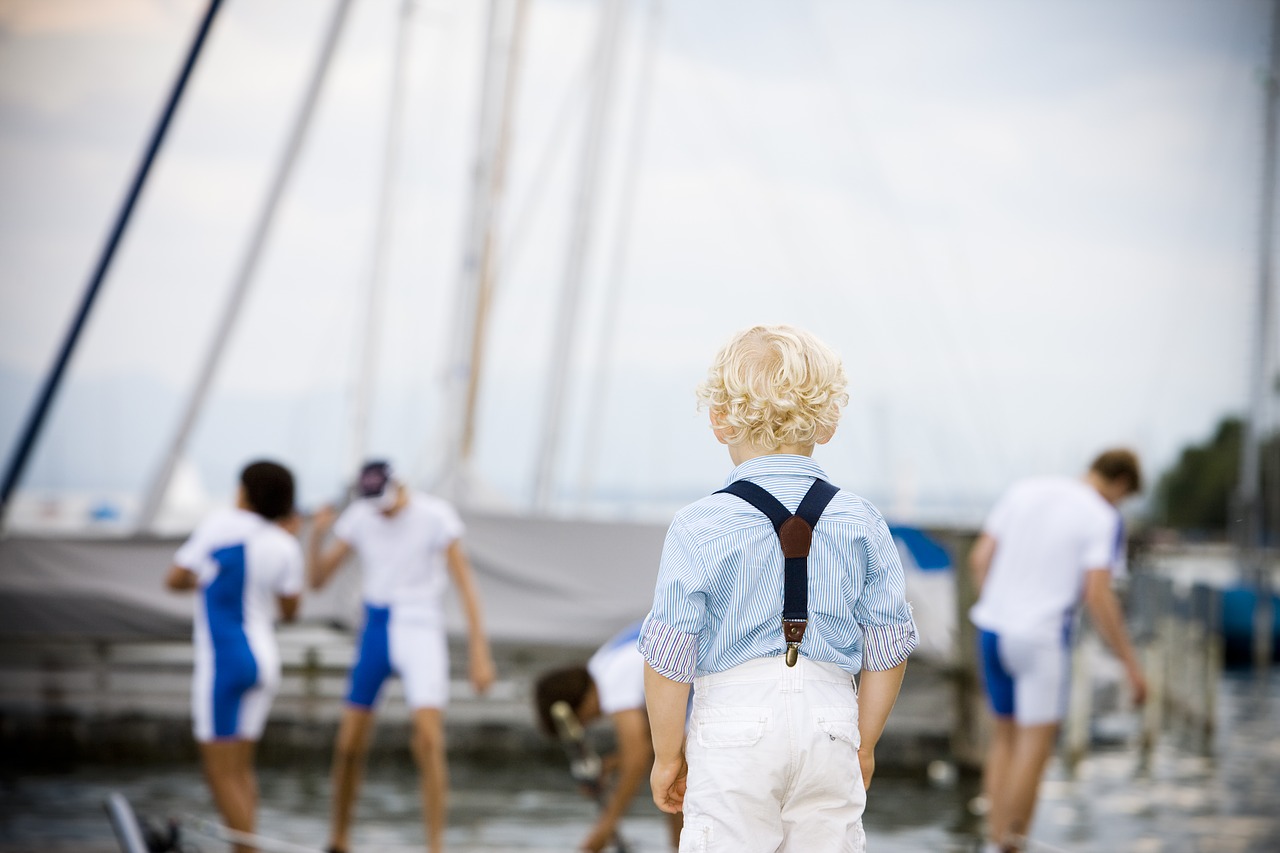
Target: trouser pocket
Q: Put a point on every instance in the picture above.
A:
(726, 728)
(839, 723)
(694, 839)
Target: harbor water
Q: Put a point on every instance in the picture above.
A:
(1219, 794)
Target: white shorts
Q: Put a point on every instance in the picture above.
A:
(414, 649)
(773, 761)
(231, 701)
(1027, 678)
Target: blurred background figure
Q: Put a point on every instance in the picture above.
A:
(1048, 544)
(610, 685)
(246, 566)
(409, 544)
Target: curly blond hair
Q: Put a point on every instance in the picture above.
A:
(772, 386)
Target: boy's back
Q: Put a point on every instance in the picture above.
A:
(726, 557)
(776, 745)
(250, 561)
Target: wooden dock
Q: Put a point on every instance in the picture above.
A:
(70, 702)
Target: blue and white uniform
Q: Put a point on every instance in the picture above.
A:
(405, 576)
(242, 563)
(1048, 531)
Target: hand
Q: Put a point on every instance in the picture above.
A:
(668, 781)
(483, 672)
(180, 579)
(323, 520)
(867, 761)
(1137, 683)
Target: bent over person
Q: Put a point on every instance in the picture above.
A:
(409, 545)
(246, 568)
(1048, 544)
(771, 595)
(611, 685)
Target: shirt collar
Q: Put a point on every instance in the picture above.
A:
(777, 464)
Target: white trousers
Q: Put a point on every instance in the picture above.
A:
(773, 761)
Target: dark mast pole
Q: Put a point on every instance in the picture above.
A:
(31, 430)
(1249, 495)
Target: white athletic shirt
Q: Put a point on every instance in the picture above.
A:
(1048, 532)
(271, 566)
(617, 669)
(403, 556)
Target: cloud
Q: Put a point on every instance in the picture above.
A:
(1027, 232)
(42, 18)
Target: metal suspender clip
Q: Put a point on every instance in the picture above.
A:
(793, 633)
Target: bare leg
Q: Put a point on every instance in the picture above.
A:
(225, 771)
(249, 779)
(996, 767)
(428, 751)
(348, 767)
(1015, 799)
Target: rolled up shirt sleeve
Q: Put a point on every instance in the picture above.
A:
(670, 633)
(889, 633)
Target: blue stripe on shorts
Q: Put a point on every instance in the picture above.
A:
(374, 662)
(235, 671)
(996, 679)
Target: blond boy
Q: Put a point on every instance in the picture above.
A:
(780, 748)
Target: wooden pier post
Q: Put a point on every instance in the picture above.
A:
(1206, 611)
(1150, 597)
(1076, 741)
(310, 684)
(969, 723)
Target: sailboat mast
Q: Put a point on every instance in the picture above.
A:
(1250, 487)
(579, 244)
(479, 274)
(487, 273)
(26, 443)
(248, 266)
(366, 379)
(603, 362)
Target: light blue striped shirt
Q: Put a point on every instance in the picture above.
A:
(718, 601)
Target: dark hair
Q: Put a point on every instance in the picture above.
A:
(268, 488)
(1119, 464)
(562, 685)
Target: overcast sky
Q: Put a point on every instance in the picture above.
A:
(1029, 228)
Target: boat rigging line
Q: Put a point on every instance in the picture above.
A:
(159, 484)
(44, 400)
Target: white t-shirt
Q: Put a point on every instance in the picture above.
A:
(617, 669)
(1048, 533)
(403, 556)
(259, 557)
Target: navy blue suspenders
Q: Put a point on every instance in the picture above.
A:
(795, 534)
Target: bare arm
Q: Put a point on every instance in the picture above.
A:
(984, 549)
(321, 563)
(181, 579)
(1108, 618)
(877, 692)
(635, 754)
(666, 700)
(482, 669)
(288, 606)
